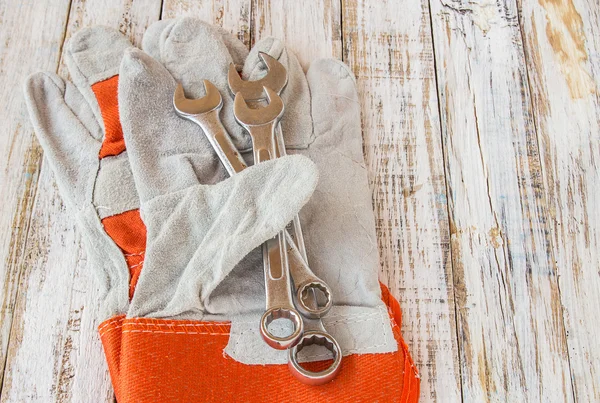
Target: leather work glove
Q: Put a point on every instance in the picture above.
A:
(79, 128)
(77, 124)
(191, 333)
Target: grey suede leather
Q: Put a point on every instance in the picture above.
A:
(338, 221)
(114, 191)
(158, 33)
(93, 55)
(196, 233)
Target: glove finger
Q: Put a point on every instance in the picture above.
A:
(92, 56)
(348, 264)
(166, 152)
(157, 33)
(214, 227)
(335, 107)
(237, 48)
(296, 122)
(68, 133)
(193, 51)
(151, 42)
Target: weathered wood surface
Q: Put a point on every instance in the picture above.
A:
(481, 122)
(562, 47)
(511, 334)
(21, 156)
(392, 59)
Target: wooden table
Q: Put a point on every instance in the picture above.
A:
(482, 138)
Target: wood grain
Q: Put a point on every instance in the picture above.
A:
(562, 44)
(511, 333)
(21, 53)
(393, 61)
(308, 29)
(233, 15)
(54, 352)
(481, 124)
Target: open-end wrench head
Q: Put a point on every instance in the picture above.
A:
(185, 106)
(276, 79)
(260, 116)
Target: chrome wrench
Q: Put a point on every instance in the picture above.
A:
(261, 124)
(305, 281)
(205, 113)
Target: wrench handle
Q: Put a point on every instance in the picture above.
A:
(220, 141)
(277, 274)
(263, 142)
(279, 298)
(295, 228)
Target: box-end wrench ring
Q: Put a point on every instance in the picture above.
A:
(315, 337)
(307, 284)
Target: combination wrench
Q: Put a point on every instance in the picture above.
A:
(261, 124)
(306, 282)
(205, 112)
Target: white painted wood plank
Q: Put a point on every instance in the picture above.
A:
(511, 334)
(30, 38)
(54, 352)
(233, 15)
(390, 50)
(311, 30)
(562, 44)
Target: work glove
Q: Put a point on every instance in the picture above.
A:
(192, 337)
(79, 128)
(86, 151)
(77, 124)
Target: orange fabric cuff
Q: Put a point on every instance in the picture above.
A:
(154, 360)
